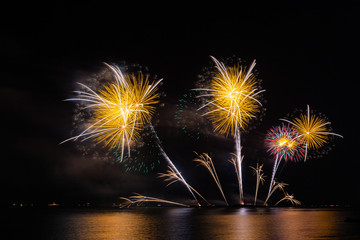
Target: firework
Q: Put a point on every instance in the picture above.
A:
(312, 129)
(259, 178)
(187, 118)
(275, 186)
(283, 142)
(237, 167)
(142, 158)
(172, 176)
(231, 98)
(289, 198)
(145, 155)
(231, 101)
(138, 200)
(172, 166)
(119, 110)
(206, 161)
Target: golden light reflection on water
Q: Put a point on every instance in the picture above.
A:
(114, 225)
(221, 223)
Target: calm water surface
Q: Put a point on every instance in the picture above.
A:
(181, 223)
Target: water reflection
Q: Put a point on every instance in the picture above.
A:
(185, 223)
(115, 225)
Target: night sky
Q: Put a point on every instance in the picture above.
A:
(305, 53)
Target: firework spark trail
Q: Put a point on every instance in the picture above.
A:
(289, 198)
(171, 176)
(312, 129)
(138, 199)
(259, 178)
(239, 160)
(166, 157)
(206, 161)
(231, 102)
(276, 165)
(234, 162)
(276, 185)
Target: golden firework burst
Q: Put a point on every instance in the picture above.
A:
(232, 98)
(313, 129)
(119, 110)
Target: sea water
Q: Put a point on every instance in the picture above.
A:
(181, 223)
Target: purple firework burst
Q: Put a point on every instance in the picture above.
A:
(283, 142)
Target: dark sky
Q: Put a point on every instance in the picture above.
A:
(306, 54)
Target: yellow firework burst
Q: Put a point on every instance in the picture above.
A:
(313, 129)
(144, 96)
(232, 97)
(124, 110)
(119, 110)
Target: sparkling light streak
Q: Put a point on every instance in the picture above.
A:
(274, 187)
(173, 176)
(172, 166)
(139, 200)
(289, 198)
(259, 178)
(205, 160)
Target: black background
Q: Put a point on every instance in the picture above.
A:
(306, 54)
